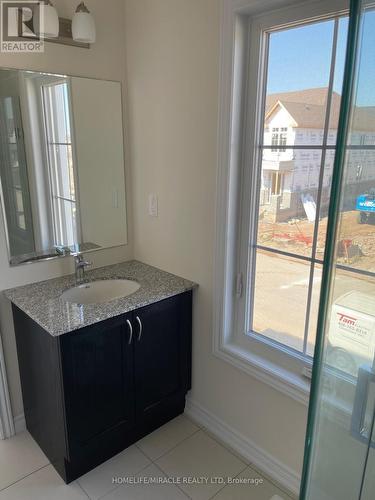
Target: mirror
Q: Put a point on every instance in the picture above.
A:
(62, 176)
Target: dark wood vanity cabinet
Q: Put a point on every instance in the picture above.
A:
(99, 392)
(90, 393)
(162, 361)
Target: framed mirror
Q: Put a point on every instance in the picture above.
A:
(62, 177)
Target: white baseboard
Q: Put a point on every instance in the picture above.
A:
(19, 423)
(270, 465)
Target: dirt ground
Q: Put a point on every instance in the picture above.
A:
(356, 247)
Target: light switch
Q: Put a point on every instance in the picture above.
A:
(153, 205)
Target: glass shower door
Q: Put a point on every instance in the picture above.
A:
(340, 445)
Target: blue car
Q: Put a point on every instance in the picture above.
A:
(365, 205)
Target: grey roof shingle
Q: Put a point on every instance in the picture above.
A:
(307, 108)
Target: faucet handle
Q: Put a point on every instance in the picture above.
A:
(80, 266)
(78, 257)
(80, 262)
(85, 263)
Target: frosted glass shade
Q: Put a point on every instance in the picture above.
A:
(49, 28)
(83, 27)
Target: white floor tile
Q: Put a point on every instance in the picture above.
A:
(19, 456)
(44, 484)
(200, 457)
(147, 490)
(99, 481)
(167, 437)
(252, 487)
(180, 450)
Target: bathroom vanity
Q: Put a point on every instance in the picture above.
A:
(98, 377)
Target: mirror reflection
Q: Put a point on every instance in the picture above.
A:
(61, 164)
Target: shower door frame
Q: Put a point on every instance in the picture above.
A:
(351, 64)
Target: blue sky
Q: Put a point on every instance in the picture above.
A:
(300, 58)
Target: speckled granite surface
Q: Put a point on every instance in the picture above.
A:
(42, 302)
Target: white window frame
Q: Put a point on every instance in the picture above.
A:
(57, 227)
(239, 117)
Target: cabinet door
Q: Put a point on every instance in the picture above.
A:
(98, 376)
(159, 371)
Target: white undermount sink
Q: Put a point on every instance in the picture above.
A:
(97, 292)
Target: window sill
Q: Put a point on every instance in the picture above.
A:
(287, 382)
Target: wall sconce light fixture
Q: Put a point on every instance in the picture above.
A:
(80, 32)
(83, 25)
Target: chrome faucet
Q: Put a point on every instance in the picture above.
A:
(80, 266)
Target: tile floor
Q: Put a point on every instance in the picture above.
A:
(178, 461)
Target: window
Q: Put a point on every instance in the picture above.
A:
(16, 193)
(58, 133)
(275, 174)
(279, 138)
(288, 235)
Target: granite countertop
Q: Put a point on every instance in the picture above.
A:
(42, 302)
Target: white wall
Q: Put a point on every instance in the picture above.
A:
(105, 60)
(173, 66)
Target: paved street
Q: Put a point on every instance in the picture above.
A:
(281, 297)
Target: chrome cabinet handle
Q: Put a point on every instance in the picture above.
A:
(140, 328)
(131, 331)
